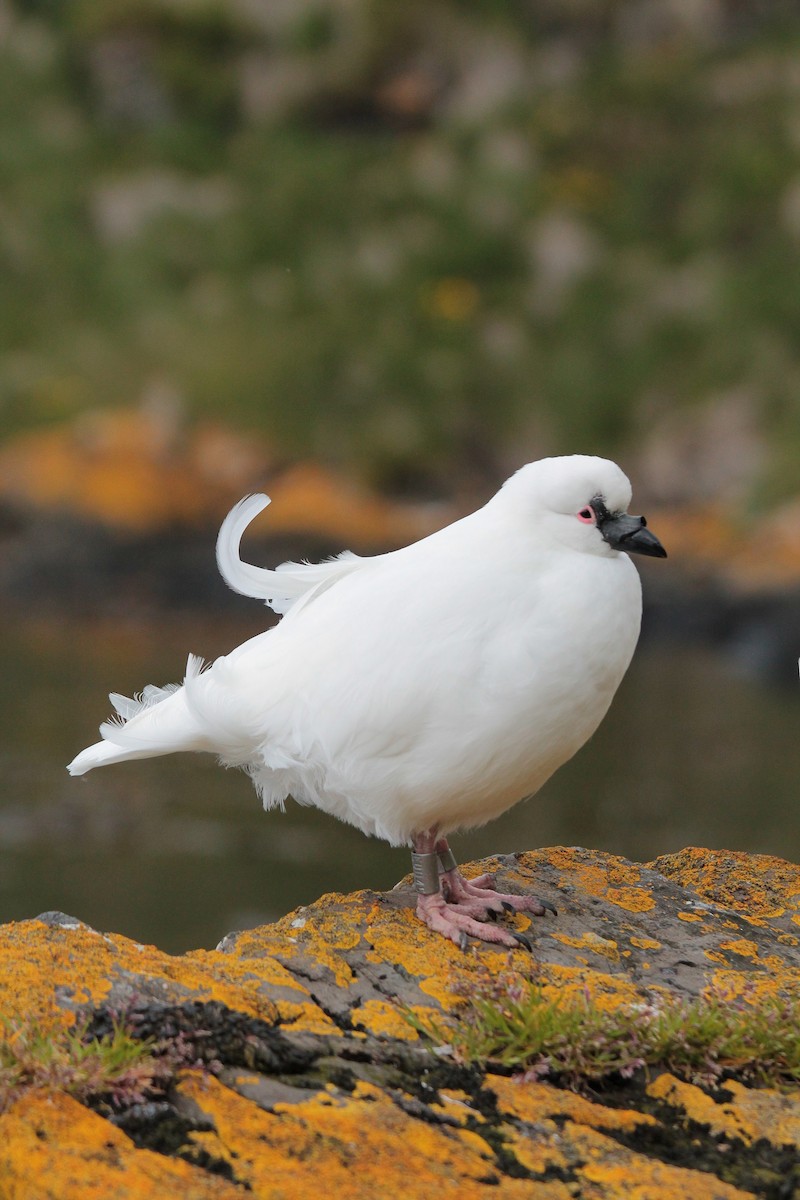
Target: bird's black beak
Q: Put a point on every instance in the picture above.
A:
(631, 534)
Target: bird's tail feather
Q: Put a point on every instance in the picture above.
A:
(158, 721)
(282, 588)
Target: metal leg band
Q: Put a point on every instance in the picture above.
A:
(447, 860)
(426, 872)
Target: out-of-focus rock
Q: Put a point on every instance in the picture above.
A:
(562, 251)
(144, 470)
(705, 454)
(122, 207)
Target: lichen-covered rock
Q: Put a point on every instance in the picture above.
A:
(308, 1073)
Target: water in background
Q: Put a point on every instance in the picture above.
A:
(178, 852)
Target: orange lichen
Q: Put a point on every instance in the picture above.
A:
(309, 496)
(760, 553)
(688, 916)
(750, 1114)
(742, 946)
(50, 1143)
(357, 1143)
(398, 938)
(617, 881)
(610, 1171)
(144, 469)
(383, 1019)
(645, 943)
(47, 972)
(751, 986)
(606, 991)
(634, 899)
(325, 931)
(590, 941)
(540, 1151)
(457, 1106)
(759, 885)
(536, 1101)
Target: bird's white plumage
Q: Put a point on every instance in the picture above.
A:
(432, 686)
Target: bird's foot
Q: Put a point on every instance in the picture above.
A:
(456, 922)
(479, 898)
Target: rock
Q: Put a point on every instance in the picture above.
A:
(302, 1068)
(147, 471)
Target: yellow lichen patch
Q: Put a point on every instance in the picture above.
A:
(360, 1146)
(321, 931)
(645, 943)
(742, 946)
(633, 899)
(46, 971)
(610, 1171)
(399, 939)
(776, 974)
(50, 1143)
(606, 991)
(767, 1113)
(751, 986)
(617, 880)
(308, 1017)
(539, 1151)
(688, 916)
(592, 942)
(535, 1101)
(759, 885)
(750, 1114)
(383, 1019)
(267, 969)
(457, 1106)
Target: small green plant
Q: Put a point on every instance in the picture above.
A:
(509, 1019)
(118, 1067)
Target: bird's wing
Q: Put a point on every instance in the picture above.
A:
(288, 583)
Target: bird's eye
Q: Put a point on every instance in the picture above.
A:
(587, 515)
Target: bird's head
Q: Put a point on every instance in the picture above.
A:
(581, 501)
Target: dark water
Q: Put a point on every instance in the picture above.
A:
(178, 852)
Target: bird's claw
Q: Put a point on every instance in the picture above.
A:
(463, 941)
(523, 941)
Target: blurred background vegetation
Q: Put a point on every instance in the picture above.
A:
(371, 257)
(423, 241)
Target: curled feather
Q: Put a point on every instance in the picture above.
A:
(289, 582)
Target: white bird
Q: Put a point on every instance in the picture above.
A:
(423, 691)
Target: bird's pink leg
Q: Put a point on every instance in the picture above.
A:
(454, 921)
(478, 896)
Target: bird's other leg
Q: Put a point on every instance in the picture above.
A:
(449, 868)
(454, 921)
(478, 896)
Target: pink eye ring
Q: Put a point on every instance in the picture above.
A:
(587, 515)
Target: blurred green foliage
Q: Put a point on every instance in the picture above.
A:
(421, 240)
